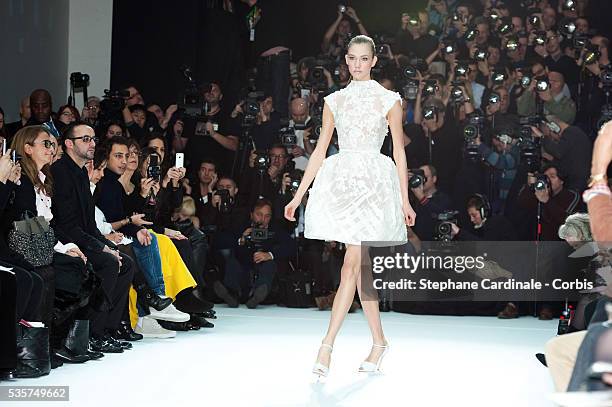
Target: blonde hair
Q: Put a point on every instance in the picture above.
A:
(576, 226)
(188, 207)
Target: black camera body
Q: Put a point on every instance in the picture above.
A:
(443, 229)
(225, 206)
(79, 80)
(262, 161)
(417, 178)
(251, 108)
(541, 183)
(257, 238)
(287, 137)
(154, 168)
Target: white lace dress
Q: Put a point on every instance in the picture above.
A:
(356, 196)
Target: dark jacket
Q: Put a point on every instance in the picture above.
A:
(110, 197)
(554, 212)
(281, 245)
(495, 229)
(73, 207)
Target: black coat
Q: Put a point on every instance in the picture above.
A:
(73, 207)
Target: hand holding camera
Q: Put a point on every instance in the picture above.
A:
(6, 166)
(147, 187)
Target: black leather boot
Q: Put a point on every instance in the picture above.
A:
(149, 299)
(126, 333)
(32, 352)
(74, 349)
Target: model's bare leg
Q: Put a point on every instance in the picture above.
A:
(369, 303)
(343, 300)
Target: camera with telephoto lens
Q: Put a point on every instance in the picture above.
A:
(449, 46)
(154, 168)
(251, 108)
(542, 84)
(542, 182)
(79, 80)
(462, 69)
(505, 26)
(430, 87)
(262, 161)
(470, 34)
(504, 135)
(580, 41)
(529, 145)
(417, 178)
(113, 101)
(430, 113)
(295, 178)
(591, 54)
(471, 132)
(317, 127)
(342, 8)
(456, 93)
(568, 5)
(225, 206)
(287, 136)
(444, 226)
(258, 237)
(481, 55)
(498, 77)
(512, 44)
(567, 27)
(534, 20)
(540, 38)
(526, 81)
(410, 90)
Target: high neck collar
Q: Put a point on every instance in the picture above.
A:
(356, 83)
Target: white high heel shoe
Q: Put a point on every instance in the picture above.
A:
(369, 367)
(319, 368)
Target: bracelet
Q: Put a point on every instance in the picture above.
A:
(595, 191)
(597, 178)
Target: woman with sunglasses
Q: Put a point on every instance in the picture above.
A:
(34, 195)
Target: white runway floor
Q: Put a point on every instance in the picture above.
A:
(263, 357)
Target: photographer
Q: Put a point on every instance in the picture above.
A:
(429, 201)
(216, 140)
(592, 89)
(550, 93)
(437, 141)
(253, 258)
(267, 124)
(413, 38)
(570, 148)
(135, 118)
(300, 122)
(503, 157)
(556, 61)
(264, 179)
(223, 210)
(548, 192)
(484, 225)
(338, 33)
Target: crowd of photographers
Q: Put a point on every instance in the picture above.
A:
(502, 103)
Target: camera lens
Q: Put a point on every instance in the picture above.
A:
(470, 132)
(542, 85)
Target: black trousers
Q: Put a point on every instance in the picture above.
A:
(116, 282)
(272, 74)
(8, 301)
(29, 289)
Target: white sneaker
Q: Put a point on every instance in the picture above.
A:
(170, 313)
(149, 328)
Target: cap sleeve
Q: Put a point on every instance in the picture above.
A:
(332, 103)
(389, 101)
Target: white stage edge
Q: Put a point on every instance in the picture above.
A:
(264, 357)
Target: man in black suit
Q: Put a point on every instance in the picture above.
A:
(74, 221)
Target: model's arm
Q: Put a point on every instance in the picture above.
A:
(318, 155)
(394, 118)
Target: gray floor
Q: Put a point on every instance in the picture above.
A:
(264, 357)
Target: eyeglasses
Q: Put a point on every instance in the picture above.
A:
(47, 143)
(86, 139)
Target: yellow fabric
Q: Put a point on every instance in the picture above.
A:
(176, 274)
